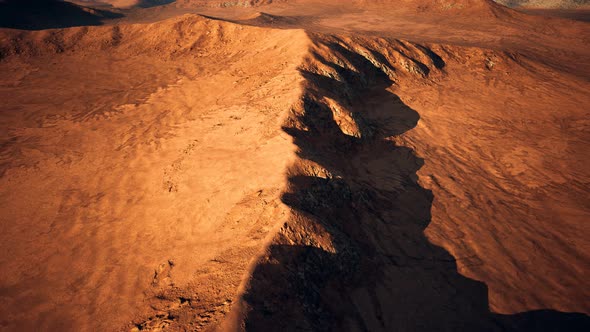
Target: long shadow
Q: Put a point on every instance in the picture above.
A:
(49, 14)
(153, 3)
(382, 273)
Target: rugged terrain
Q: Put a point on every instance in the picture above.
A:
(294, 165)
(545, 3)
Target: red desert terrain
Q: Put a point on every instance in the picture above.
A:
(393, 165)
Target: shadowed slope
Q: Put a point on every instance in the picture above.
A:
(124, 3)
(49, 14)
(353, 255)
(545, 3)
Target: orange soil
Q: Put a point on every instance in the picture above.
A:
(297, 166)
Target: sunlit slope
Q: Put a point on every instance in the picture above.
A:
(140, 164)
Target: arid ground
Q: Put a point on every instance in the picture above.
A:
(393, 165)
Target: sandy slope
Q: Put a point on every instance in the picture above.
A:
(163, 163)
(297, 167)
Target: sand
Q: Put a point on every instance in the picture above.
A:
(415, 166)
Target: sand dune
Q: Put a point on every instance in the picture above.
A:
(295, 165)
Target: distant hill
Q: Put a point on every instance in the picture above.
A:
(224, 3)
(47, 14)
(122, 3)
